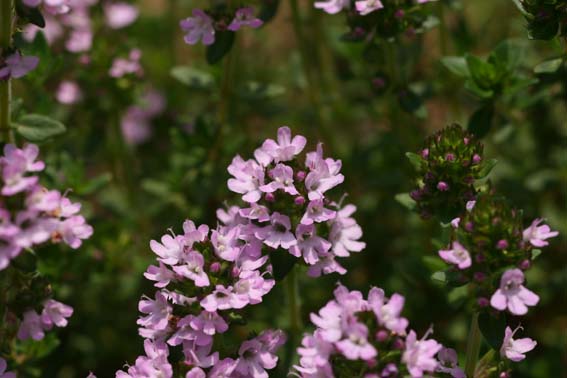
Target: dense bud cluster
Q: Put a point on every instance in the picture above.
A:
(357, 337)
(447, 168)
(545, 18)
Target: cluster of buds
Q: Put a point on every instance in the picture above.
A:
(357, 337)
(203, 26)
(375, 18)
(447, 168)
(545, 19)
(489, 245)
(289, 208)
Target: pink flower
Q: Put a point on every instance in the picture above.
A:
(285, 149)
(514, 350)
(316, 212)
(154, 364)
(512, 294)
(209, 323)
(448, 363)
(55, 313)
(537, 235)
(365, 7)
(278, 233)
(309, 245)
(31, 327)
(324, 174)
(419, 355)
(245, 17)
(68, 92)
(226, 243)
(192, 268)
(198, 28)
(170, 250)
(120, 15)
(17, 66)
(157, 311)
(161, 275)
(458, 256)
(388, 311)
(254, 358)
(332, 6)
(222, 298)
(355, 345)
(326, 265)
(3, 372)
(125, 66)
(74, 230)
(248, 178)
(345, 233)
(282, 177)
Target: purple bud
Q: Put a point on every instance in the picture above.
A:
(425, 153)
(466, 141)
(496, 221)
(378, 83)
(415, 195)
(450, 157)
(270, 197)
(502, 244)
(359, 32)
(300, 200)
(504, 374)
(479, 258)
(399, 13)
(483, 302)
(429, 176)
(371, 363)
(235, 272)
(469, 227)
(382, 336)
(525, 264)
(300, 176)
(479, 276)
(442, 186)
(476, 159)
(399, 344)
(215, 267)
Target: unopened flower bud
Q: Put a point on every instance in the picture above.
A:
(215, 267)
(270, 197)
(450, 157)
(469, 227)
(300, 200)
(399, 13)
(442, 186)
(479, 276)
(483, 302)
(425, 153)
(476, 159)
(502, 244)
(382, 335)
(525, 264)
(480, 258)
(235, 272)
(300, 176)
(399, 344)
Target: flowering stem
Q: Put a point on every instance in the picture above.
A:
(294, 308)
(473, 346)
(6, 19)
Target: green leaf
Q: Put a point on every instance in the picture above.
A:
(223, 43)
(535, 253)
(549, 66)
(484, 94)
(405, 200)
(483, 73)
(192, 77)
(412, 103)
(415, 160)
(457, 65)
(487, 167)
(492, 329)
(433, 263)
(481, 120)
(38, 128)
(439, 277)
(507, 55)
(282, 263)
(254, 90)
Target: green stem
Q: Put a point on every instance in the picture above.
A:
(442, 27)
(306, 57)
(294, 313)
(6, 21)
(473, 346)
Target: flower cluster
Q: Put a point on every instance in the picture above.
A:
(489, 238)
(30, 214)
(357, 337)
(288, 203)
(127, 66)
(545, 19)
(447, 168)
(34, 325)
(202, 26)
(73, 22)
(205, 277)
(369, 18)
(135, 124)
